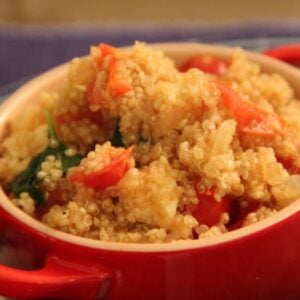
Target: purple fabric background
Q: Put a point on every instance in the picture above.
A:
(27, 51)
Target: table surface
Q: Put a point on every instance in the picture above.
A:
(95, 11)
(28, 51)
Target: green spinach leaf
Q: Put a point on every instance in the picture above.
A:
(117, 137)
(27, 180)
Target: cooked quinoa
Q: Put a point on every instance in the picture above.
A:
(138, 151)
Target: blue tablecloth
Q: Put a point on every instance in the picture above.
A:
(28, 51)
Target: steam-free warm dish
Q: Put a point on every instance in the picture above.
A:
(135, 148)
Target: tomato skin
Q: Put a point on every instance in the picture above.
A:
(245, 113)
(106, 177)
(209, 211)
(116, 86)
(91, 94)
(105, 51)
(54, 198)
(289, 163)
(239, 213)
(205, 63)
(84, 113)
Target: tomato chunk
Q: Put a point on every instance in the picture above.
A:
(205, 63)
(117, 85)
(84, 113)
(250, 119)
(209, 211)
(91, 94)
(105, 51)
(239, 213)
(289, 163)
(107, 176)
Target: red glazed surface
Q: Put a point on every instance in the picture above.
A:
(288, 53)
(261, 261)
(260, 266)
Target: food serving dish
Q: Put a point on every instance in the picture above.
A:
(245, 263)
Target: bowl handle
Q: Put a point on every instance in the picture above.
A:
(56, 280)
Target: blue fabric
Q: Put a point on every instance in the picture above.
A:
(28, 51)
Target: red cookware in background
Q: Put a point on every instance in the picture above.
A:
(289, 53)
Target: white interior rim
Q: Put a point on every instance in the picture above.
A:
(7, 205)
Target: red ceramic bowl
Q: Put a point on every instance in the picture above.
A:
(261, 261)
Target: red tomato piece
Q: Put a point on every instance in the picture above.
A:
(238, 213)
(205, 63)
(250, 119)
(107, 176)
(91, 94)
(208, 211)
(54, 198)
(289, 164)
(117, 86)
(105, 51)
(95, 117)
